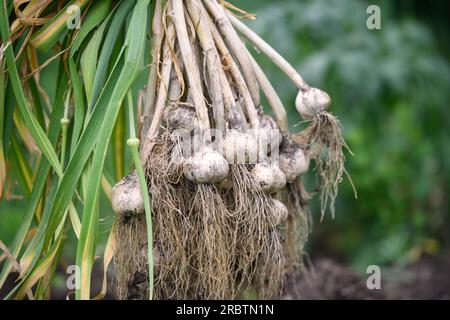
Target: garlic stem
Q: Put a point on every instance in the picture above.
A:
(270, 52)
(192, 71)
(161, 98)
(150, 93)
(271, 95)
(236, 45)
(212, 61)
(251, 111)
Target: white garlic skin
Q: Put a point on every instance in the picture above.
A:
(264, 176)
(126, 196)
(186, 143)
(180, 117)
(270, 136)
(279, 178)
(238, 147)
(269, 176)
(176, 157)
(267, 122)
(280, 212)
(294, 163)
(206, 166)
(312, 101)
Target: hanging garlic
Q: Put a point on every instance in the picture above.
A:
(294, 161)
(269, 176)
(126, 196)
(180, 117)
(280, 212)
(311, 101)
(206, 166)
(239, 147)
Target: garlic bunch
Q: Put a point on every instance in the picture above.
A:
(126, 196)
(294, 161)
(269, 176)
(311, 101)
(206, 166)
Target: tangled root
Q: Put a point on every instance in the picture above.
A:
(258, 248)
(130, 258)
(271, 263)
(211, 242)
(298, 225)
(170, 195)
(224, 240)
(211, 247)
(324, 137)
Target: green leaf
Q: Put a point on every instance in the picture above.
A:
(135, 45)
(8, 120)
(89, 59)
(2, 115)
(21, 165)
(100, 9)
(49, 34)
(79, 115)
(31, 122)
(111, 38)
(118, 145)
(74, 170)
(37, 104)
(41, 177)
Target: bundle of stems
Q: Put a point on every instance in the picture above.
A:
(229, 207)
(214, 206)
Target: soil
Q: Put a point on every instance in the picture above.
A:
(428, 278)
(327, 279)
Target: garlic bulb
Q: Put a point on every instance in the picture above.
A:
(177, 157)
(280, 212)
(312, 101)
(206, 166)
(126, 196)
(269, 176)
(267, 122)
(238, 147)
(293, 162)
(269, 137)
(180, 117)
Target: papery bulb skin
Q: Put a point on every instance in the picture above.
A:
(311, 102)
(126, 196)
(206, 166)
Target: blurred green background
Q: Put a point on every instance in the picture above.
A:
(390, 89)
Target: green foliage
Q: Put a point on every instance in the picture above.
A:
(77, 184)
(390, 90)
